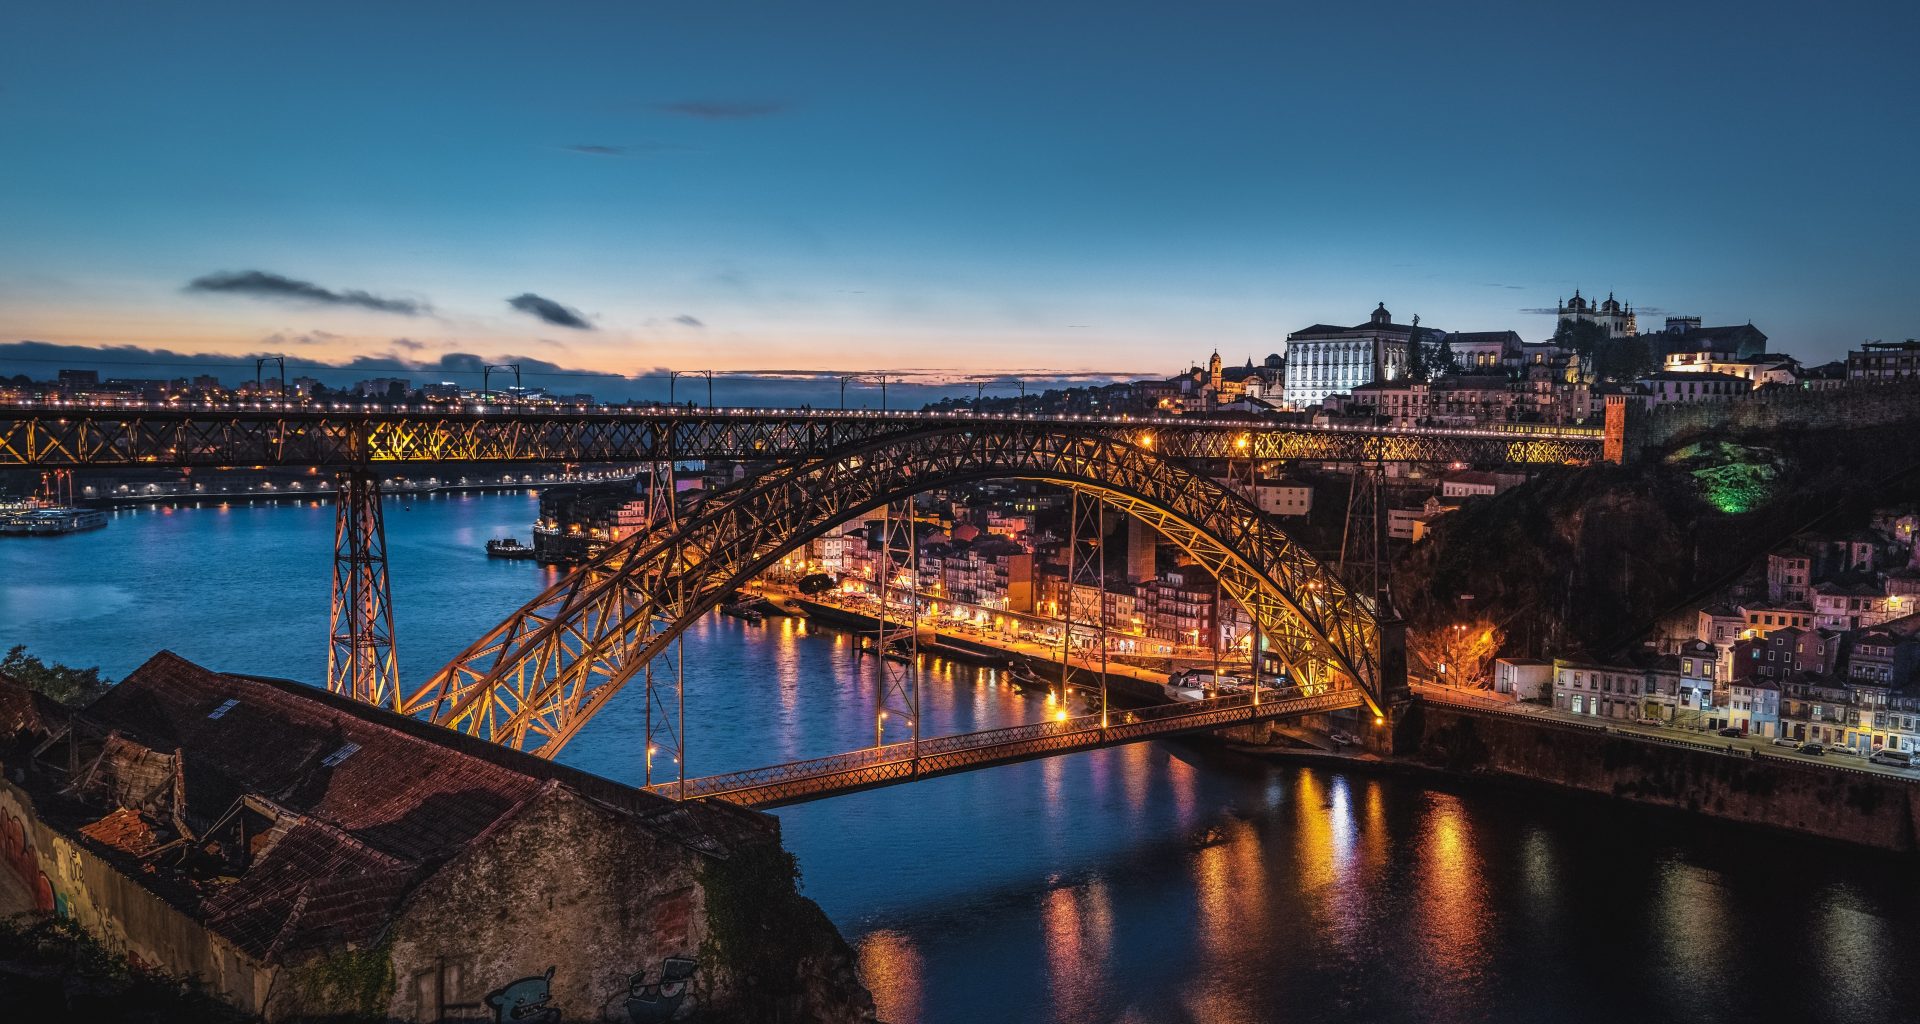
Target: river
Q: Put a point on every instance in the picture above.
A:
(1156, 882)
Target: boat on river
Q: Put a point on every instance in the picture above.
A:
(508, 547)
(51, 521)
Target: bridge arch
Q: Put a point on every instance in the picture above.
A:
(534, 680)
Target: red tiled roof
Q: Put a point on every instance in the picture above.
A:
(403, 795)
(362, 804)
(27, 712)
(125, 830)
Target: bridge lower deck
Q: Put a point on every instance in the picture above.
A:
(801, 781)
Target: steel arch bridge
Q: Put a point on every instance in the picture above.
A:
(536, 679)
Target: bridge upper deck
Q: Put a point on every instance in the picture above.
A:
(75, 436)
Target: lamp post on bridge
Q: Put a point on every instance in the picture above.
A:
(260, 363)
(486, 372)
(674, 376)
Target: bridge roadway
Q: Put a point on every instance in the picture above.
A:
(56, 436)
(802, 781)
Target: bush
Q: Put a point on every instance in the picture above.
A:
(70, 686)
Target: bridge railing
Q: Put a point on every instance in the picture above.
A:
(948, 753)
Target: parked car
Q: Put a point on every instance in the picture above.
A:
(1731, 733)
(1782, 741)
(1892, 758)
(1812, 748)
(1649, 720)
(1341, 739)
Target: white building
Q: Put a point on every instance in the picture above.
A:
(1522, 678)
(1283, 498)
(1670, 386)
(1603, 691)
(1327, 360)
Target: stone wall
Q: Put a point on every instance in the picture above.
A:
(1770, 410)
(1868, 808)
(570, 905)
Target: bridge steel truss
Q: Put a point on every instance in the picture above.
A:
(536, 679)
(65, 437)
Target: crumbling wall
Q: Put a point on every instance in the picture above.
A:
(56, 875)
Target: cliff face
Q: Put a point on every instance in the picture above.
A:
(1585, 560)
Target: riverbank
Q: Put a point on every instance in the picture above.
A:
(1125, 683)
(1459, 742)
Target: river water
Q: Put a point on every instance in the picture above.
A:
(1156, 882)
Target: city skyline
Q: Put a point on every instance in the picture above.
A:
(1117, 194)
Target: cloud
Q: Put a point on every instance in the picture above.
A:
(907, 387)
(722, 110)
(260, 284)
(550, 311)
(592, 150)
(409, 344)
(282, 339)
(1540, 310)
(690, 321)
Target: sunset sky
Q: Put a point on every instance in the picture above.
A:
(1073, 187)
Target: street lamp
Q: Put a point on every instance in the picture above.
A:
(879, 721)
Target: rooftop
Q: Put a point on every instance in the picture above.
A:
(289, 819)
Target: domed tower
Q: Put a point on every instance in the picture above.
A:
(1380, 315)
(1213, 371)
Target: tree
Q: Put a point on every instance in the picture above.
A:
(1457, 654)
(1584, 337)
(70, 686)
(1625, 359)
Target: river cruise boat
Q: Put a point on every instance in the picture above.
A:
(51, 521)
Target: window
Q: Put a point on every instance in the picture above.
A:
(221, 711)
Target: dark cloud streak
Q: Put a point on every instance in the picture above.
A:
(261, 284)
(550, 311)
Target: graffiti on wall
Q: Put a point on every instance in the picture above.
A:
(527, 1001)
(530, 1000)
(18, 852)
(656, 1002)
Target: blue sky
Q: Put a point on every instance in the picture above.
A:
(1072, 186)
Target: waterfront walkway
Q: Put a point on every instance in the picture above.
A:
(1745, 747)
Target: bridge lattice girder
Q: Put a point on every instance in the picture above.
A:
(537, 678)
(59, 438)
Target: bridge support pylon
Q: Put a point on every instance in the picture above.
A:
(360, 654)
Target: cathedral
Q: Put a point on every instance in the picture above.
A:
(1617, 319)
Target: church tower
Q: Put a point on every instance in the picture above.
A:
(1213, 371)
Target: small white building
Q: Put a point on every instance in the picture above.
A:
(1283, 497)
(1522, 678)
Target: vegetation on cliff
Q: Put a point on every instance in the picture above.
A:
(1582, 562)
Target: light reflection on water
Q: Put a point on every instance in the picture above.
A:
(1156, 882)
